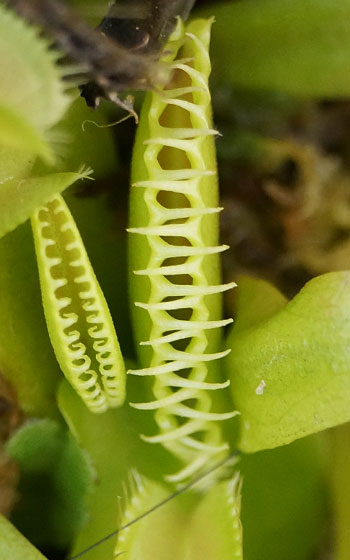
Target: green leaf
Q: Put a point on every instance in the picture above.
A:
(101, 225)
(32, 96)
(55, 478)
(20, 198)
(192, 526)
(258, 300)
(215, 528)
(13, 545)
(112, 441)
(17, 132)
(300, 47)
(27, 360)
(30, 78)
(174, 257)
(14, 165)
(78, 319)
(339, 477)
(285, 501)
(290, 372)
(87, 142)
(158, 535)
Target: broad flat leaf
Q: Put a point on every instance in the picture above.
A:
(20, 198)
(290, 373)
(299, 46)
(13, 546)
(54, 479)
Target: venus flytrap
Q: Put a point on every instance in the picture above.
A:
(174, 258)
(33, 97)
(32, 100)
(177, 321)
(78, 319)
(189, 527)
(20, 197)
(27, 112)
(175, 283)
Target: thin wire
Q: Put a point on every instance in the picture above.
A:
(157, 506)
